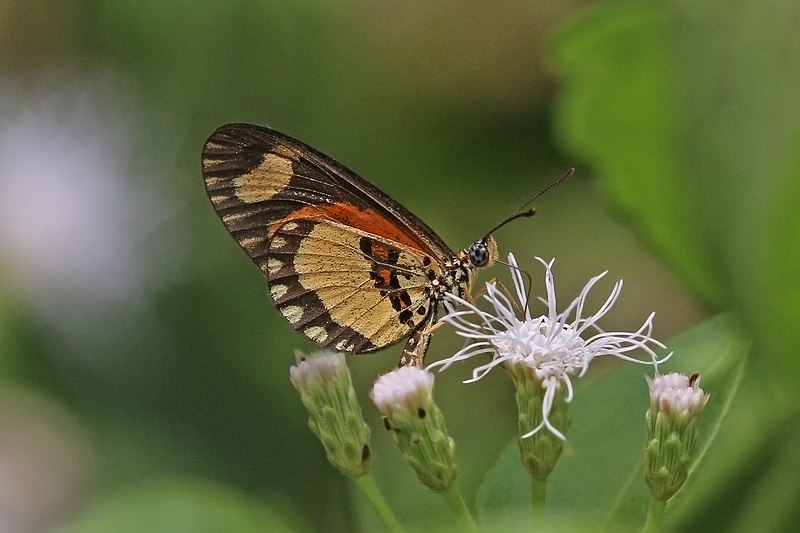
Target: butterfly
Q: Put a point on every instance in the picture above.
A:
(347, 266)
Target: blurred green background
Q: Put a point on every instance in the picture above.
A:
(143, 371)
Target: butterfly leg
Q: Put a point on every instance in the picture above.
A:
(481, 291)
(503, 289)
(414, 351)
(513, 300)
(430, 329)
(417, 345)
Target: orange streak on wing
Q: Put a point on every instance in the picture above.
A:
(379, 251)
(386, 276)
(367, 220)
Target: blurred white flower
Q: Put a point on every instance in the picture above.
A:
(323, 366)
(78, 202)
(46, 461)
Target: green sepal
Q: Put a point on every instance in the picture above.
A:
(539, 453)
(668, 453)
(421, 436)
(335, 418)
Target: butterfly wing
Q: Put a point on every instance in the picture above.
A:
(346, 264)
(344, 288)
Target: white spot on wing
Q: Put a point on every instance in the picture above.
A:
(210, 180)
(316, 333)
(273, 265)
(234, 217)
(250, 242)
(292, 313)
(278, 291)
(278, 243)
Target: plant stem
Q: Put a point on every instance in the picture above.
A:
(459, 509)
(655, 511)
(370, 489)
(538, 494)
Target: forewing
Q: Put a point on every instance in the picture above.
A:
(347, 289)
(258, 179)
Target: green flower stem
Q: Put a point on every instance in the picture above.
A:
(655, 512)
(538, 494)
(370, 489)
(459, 509)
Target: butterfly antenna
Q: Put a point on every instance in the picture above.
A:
(519, 213)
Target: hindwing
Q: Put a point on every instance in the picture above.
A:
(347, 289)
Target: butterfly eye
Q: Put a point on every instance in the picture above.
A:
(478, 254)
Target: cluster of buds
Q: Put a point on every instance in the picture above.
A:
(676, 401)
(405, 399)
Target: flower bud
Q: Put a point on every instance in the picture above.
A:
(326, 390)
(676, 401)
(404, 397)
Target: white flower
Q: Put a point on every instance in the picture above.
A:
(322, 365)
(678, 394)
(405, 387)
(553, 346)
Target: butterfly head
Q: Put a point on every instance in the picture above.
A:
(482, 253)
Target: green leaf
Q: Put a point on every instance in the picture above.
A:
(169, 505)
(690, 117)
(617, 110)
(599, 478)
